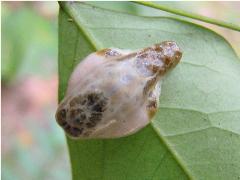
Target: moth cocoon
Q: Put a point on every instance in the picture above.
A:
(114, 93)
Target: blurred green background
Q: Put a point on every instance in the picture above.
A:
(33, 146)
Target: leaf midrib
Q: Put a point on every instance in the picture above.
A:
(90, 38)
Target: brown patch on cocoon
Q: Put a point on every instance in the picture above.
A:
(108, 53)
(151, 108)
(102, 52)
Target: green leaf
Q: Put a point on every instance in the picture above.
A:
(195, 134)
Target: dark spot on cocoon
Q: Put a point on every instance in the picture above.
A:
(167, 61)
(96, 114)
(76, 131)
(63, 123)
(91, 99)
(75, 112)
(97, 108)
(61, 115)
(90, 124)
(158, 48)
(67, 127)
(142, 56)
(78, 121)
(83, 116)
(103, 103)
(94, 119)
(83, 101)
(73, 103)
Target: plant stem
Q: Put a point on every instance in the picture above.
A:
(190, 15)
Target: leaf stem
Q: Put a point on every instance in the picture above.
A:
(190, 15)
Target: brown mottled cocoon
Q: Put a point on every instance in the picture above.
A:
(114, 93)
